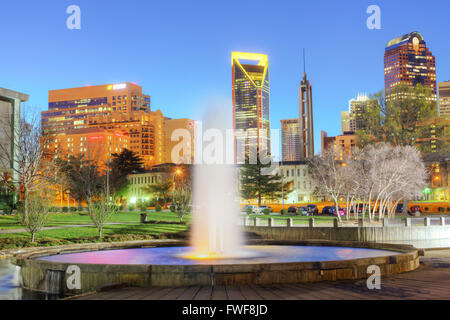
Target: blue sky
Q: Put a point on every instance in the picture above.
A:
(180, 51)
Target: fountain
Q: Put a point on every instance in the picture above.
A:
(216, 255)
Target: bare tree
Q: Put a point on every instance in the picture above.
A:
(36, 216)
(100, 211)
(28, 156)
(329, 175)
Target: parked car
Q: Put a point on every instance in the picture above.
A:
(262, 208)
(313, 209)
(415, 211)
(253, 208)
(292, 210)
(331, 211)
(304, 211)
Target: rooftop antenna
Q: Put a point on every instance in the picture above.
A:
(304, 61)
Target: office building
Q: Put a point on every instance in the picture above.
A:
(290, 140)
(408, 61)
(251, 104)
(10, 103)
(444, 99)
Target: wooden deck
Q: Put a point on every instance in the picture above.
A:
(430, 281)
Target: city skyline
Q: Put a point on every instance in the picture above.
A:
(336, 74)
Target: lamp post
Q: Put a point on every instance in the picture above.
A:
(68, 197)
(177, 172)
(282, 189)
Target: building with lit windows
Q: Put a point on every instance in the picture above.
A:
(177, 149)
(297, 172)
(290, 140)
(343, 145)
(251, 103)
(119, 109)
(444, 99)
(357, 108)
(92, 143)
(74, 108)
(408, 61)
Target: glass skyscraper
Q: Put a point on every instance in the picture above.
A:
(408, 61)
(251, 106)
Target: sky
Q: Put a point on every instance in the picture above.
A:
(180, 51)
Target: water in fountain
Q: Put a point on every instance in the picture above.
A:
(215, 230)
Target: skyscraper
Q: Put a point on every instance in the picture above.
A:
(251, 105)
(408, 61)
(357, 108)
(444, 99)
(306, 127)
(290, 140)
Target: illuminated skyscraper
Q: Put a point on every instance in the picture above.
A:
(408, 61)
(290, 140)
(251, 106)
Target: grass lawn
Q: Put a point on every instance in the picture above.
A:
(60, 219)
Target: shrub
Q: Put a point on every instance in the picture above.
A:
(121, 207)
(172, 208)
(80, 209)
(266, 211)
(65, 209)
(131, 207)
(158, 208)
(249, 211)
(283, 212)
(73, 209)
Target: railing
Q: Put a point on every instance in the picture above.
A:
(311, 222)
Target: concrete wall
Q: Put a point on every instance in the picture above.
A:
(418, 236)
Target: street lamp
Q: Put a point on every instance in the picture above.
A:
(176, 173)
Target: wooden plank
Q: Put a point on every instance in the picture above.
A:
(234, 293)
(204, 293)
(249, 293)
(219, 293)
(189, 293)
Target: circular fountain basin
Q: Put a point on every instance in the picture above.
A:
(257, 255)
(157, 263)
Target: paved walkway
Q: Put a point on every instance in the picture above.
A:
(430, 281)
(8, 231)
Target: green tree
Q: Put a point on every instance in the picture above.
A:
(7, 193)
(100, 212)
(161, 190)
(182, 199)
(406, 116)
(123, 164)
(35, 216)
(257, 185)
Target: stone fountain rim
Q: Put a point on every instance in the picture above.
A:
(33, 253)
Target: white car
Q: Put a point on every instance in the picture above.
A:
(254, 209)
